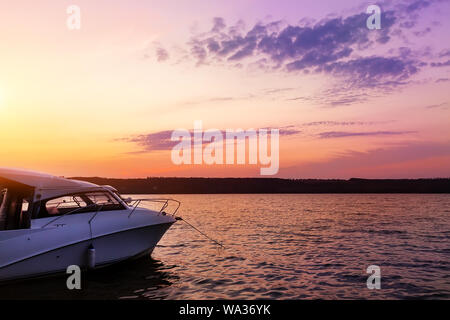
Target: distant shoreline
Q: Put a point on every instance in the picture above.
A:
(158, 185)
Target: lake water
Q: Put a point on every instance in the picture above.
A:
(302, 246)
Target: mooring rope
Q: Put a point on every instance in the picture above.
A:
(202, 233)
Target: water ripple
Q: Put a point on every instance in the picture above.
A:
(283, 247)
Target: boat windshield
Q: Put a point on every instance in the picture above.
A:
(79, 203)
(126, 201)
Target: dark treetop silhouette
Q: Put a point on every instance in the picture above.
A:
(272, 185)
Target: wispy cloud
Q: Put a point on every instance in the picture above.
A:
(341, 95)
(442, 105)
(344, 134)
(155, 141)
(156, 51)
(161, 140)
(162, 54)
(269, 93)
(341, 123)
(444, 53)
(277, 90)
(440, 64)
(218, 99)
(390, 161)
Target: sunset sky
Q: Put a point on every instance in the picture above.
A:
(103, 100)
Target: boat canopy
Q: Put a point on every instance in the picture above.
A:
(45, 186)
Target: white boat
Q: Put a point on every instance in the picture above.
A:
(48, 223)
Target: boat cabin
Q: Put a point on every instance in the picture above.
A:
(27, 195)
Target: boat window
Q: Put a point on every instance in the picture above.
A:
(3, 210)
(14, 209)
(118, 195)
(2, 195)
(101, 198)
(104, 201)
(64, 205)
(25, 206)
(79, 203)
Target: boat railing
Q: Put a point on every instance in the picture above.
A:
(134, 203)
(99, 207)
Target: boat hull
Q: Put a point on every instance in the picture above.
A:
(109, 249)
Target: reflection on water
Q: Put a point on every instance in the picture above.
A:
(282, 247)
(143, 278)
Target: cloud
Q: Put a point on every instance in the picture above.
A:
(437, 106)
(381, 71)
(340, 46)
(152, 142)
(300, 46)
(420, 159)
(339, 95)
(155, 50)
(344, 134)
(270, 92)
(423, 32)
(277, 90)
(161, 140)
(288, 131)
(444, 53)
(339, 123)
(162, 54)
(442, 80)
(440, 64)
(218, 99)
(417, 5)
(219, 24)
(332, 46)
